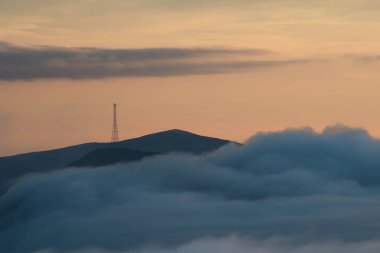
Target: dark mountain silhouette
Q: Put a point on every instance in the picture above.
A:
(12, 167)
(106, 156)
(174, 141)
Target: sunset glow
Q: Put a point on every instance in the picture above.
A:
(239, 67)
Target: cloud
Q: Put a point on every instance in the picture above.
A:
(312, 192)
(366, 58)
(21, 63)
(244, 245)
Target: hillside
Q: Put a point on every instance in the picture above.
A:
(13, 167)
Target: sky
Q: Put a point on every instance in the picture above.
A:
(220, 68)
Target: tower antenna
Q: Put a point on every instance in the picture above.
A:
(115, 132)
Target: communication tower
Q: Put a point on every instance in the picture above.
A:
(115, 132)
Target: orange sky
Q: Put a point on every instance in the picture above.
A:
(326, 71)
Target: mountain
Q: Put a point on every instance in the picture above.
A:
(174, 141)
(106, 156)
(13, 167)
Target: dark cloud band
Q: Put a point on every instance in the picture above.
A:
(20, 63)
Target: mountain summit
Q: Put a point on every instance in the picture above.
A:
(174, 140)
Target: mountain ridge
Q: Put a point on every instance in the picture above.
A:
(174, 130)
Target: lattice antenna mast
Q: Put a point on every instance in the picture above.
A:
(115, 132)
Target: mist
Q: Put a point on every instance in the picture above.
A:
(289, 191)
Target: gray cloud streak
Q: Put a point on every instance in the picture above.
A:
(20, 63)
(366, 58)
(297, 185)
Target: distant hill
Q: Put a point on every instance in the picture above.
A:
(106, 156)
(174, 141)
(12, 167)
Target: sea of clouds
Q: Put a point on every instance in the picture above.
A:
(292, 191)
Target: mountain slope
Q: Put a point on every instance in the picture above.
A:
(106, 156)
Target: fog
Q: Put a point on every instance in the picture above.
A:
(290, 191)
